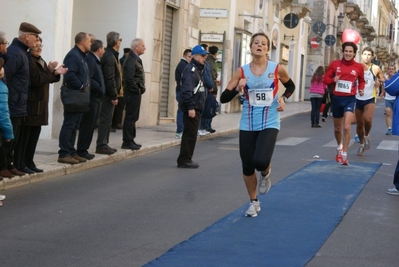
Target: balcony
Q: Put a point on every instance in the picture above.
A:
(302, 10)
(352, 11)
(337, 2)
(363, 21)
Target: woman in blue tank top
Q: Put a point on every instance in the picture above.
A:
(260, 120)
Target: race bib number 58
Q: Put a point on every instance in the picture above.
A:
(260, 97)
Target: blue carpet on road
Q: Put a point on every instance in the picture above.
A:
(298, 214)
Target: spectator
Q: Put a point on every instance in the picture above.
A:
(192, 101)
(41, 75)
(178, 72)
(77, 78)
(317, 90)
(4, 172)
(134, 87)
(112, 78)
(6, 132)
(97, 90)
(211, 60)
(118, 113)
(17, 75)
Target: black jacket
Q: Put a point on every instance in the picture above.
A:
(111, 72)
(190, 97)
(178, 72)
(133, 75)
(97, 86)
(40, 78)
(17, 75)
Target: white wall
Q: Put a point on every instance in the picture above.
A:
(52, 17)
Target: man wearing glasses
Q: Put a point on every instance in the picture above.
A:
(112, 78)
(3, 45)
(17, 77)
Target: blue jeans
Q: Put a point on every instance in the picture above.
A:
(205, 123)
(179, 115)
(68, 134)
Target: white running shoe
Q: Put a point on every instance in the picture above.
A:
(264, 182)
(254, 208)
(2, 197)
(393, 191)
(203, 132)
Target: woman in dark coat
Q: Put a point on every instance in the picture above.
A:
(41, 75)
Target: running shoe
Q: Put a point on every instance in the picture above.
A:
(389, 131)
(344, 159)
(366, 142)
(178, 135)
(357, 140)
(360, 152)
(393, 191)
(338, 157)
(254, 208)
(264, 182)
(2, 197)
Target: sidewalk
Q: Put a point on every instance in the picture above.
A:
(152, 139)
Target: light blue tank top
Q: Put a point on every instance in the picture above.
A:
(262, 114)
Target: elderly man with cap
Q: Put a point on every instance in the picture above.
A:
(192, 101)
(17, 76)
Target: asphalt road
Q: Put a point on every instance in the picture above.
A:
(132, 211)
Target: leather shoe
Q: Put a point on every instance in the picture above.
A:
(16, 172)
(131, 146)
(188, 165)
(139, 145)
(80, 159)
(118, 126)
(211, 130)
(105, 150)
(68, 160)
(87, 156)
(6, 174)
(27, 170)
(35, 169)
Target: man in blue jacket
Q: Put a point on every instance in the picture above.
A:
(192, 101)
(17, 76)
(77, 78)
(392, 87)
(97, 90)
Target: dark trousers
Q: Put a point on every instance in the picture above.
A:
(132, 112)
(396, 176)
(118, 113)
(104, 121)
(26, 146)
(86, 128)
(315, 112)
(11, 148)
(179, 115)
(189, 138)
(67, 136)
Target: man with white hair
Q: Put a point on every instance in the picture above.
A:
(133, 88)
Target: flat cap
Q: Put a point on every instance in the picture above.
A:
(27, 27)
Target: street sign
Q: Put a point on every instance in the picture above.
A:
(330, 40)
(291, 20)
(313, 43)
(319, 27)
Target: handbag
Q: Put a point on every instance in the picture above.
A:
(75, 101)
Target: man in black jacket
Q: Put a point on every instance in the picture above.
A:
(133, 88)
(97, 89)
(77, 78)
(192, 101)
(17, 76)
(112, 78)
(178, 72)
